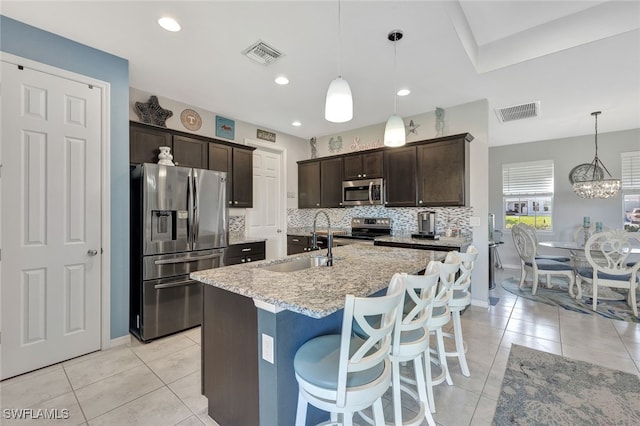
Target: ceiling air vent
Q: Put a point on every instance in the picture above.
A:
(262, 53)
(518, 112)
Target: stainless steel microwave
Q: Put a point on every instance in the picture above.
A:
(363, 192)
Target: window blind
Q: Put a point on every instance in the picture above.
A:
(630, 170)
(530, 178)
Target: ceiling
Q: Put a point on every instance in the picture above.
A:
(574, 57)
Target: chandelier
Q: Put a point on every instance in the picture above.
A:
(588, 179)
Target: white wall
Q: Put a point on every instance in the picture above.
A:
(467, 118)
(568, 209)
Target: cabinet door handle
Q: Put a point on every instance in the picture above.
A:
(242, 260)
(318, 205)
(295, 240)
(230, 202)
(364, 175)
(359, 175)
(420, 201)
(235, 202)
(246, 249)
(248, 259)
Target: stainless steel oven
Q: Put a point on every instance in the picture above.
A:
(363, 192)
(364, 230)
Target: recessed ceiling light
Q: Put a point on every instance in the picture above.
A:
(169, 24)
(282, 80)
(403, 92)
(296, 124)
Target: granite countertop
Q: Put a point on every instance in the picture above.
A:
(318, 292)
(244, 240)
(443, 241)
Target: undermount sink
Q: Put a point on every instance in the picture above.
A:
(297, 264)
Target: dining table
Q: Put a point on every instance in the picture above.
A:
(578, 258)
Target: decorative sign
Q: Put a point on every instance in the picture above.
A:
(357, 145)
(265, 135)
(190, 119)
(225, 128)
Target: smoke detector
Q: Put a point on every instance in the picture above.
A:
(518, 112)
(262, 53)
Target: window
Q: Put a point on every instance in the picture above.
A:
(631, 190)
(527, 192)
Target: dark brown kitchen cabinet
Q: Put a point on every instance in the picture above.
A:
(238, 163)
(443, 173)
(309, 185)
(363, 166)
(400, 177)
(189, 152)
(200, 152)
(236, 254)
(242, 178)
(144, 143)
(331, 183)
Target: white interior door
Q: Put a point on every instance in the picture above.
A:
(266, 219)
(51, 219)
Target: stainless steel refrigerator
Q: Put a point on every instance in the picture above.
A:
(178, 226)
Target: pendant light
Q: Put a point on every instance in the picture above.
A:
(593, 184)
(394, 131)
(339, 104)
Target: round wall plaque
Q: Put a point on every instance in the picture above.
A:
(190, 119)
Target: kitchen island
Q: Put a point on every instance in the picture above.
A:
(255, 319)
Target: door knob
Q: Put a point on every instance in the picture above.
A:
(92, 252)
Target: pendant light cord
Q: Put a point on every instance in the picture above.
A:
(395, 83)
(339, 41)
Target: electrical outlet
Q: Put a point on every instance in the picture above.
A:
(267, 348)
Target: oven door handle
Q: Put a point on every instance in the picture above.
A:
(186, 259)
(176, 284)
(370, 189)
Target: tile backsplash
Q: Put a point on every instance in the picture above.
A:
(404, 219)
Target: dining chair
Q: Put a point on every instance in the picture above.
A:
(578, 258)
(534, 234)
(343, 373)
(526, 247)
(607, 253)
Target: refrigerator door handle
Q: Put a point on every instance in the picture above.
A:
(196, 212)
(190, 213)
(176, 284)
(186, 259)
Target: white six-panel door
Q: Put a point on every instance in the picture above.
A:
(51, 219)
(265, 219)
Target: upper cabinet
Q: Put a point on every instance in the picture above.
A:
(320, 183)
(443, 173)
(429, 173)
(144, 143)
(400, 176)
(189, 152)
(199, 152)
(331, 183)
(309, 185)
(363, 166)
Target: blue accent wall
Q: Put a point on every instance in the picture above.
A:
(33, 43)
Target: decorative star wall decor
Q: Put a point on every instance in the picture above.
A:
(412, 128)
(152, 113)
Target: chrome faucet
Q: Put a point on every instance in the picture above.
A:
(314, 239)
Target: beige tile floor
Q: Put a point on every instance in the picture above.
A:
(159, 383)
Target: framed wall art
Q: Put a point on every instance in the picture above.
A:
(225, 128)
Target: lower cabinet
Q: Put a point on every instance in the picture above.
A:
(244, 253)
(297, 244)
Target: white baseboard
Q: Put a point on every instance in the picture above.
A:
(480, 303)
(122, 340)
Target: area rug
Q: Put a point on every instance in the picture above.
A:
(559, 296)
(540, 388)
